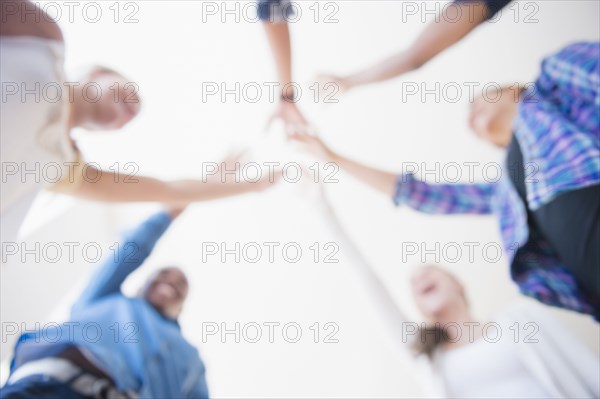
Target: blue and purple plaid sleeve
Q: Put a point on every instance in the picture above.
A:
(572, 71)
(558, 124)
(499, 199)
(444, 198)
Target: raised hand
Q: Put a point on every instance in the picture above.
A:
(234, 161)
(343, 84)
(314, 145)
(293, 120)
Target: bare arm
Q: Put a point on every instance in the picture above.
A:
(437, 37)
(116, 187)
(377, 289)
(135, 248)
(278, 35)
(449, 198)
(377, 179)
(24, 18)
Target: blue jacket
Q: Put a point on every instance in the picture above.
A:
(142, 350)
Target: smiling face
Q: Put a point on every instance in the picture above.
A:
(492, 115)
(114, 100)
(167, 291)
(437, 293)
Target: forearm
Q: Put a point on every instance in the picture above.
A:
(111, 187)
(380, 180)
(390, 68)
(421, 196)
(437, 37)
(128, 256)
(278, 35)
(379, 291)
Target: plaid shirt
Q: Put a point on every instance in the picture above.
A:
(558, 129)
(558, 126)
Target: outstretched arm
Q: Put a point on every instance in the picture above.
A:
(377, 179)
(438, 36)
(402, 328)
(407, 189)
(380, 180)
(278, 34)
(128, 256)
(109, 186)
(115, 187)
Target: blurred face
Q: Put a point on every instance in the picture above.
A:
(492, 115)
(167, 291)
(437, 293)
(118, 101)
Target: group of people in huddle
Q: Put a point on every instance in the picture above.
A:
(549, 226)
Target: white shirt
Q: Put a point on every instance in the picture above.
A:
(35, 144)
(488, 370)
(556, 365)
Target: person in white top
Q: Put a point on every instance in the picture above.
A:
(522, 352)
(39, 110)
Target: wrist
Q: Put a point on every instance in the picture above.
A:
(288, 97)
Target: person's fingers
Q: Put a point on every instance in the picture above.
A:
(301, 138)
(235, 155)
(295, 128)
(326, 81)
(311, 130)
(295, 137)
(308, 133)
(233, 159)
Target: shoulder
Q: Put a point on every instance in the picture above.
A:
(24, 18)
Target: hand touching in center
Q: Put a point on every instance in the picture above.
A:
(293, 120)
(314, 145)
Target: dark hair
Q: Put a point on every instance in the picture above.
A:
(430, 339)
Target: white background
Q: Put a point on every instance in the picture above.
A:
(170, 53)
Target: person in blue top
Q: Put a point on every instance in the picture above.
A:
(439, 35)
(115, 346)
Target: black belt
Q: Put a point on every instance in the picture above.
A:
(64, 371)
